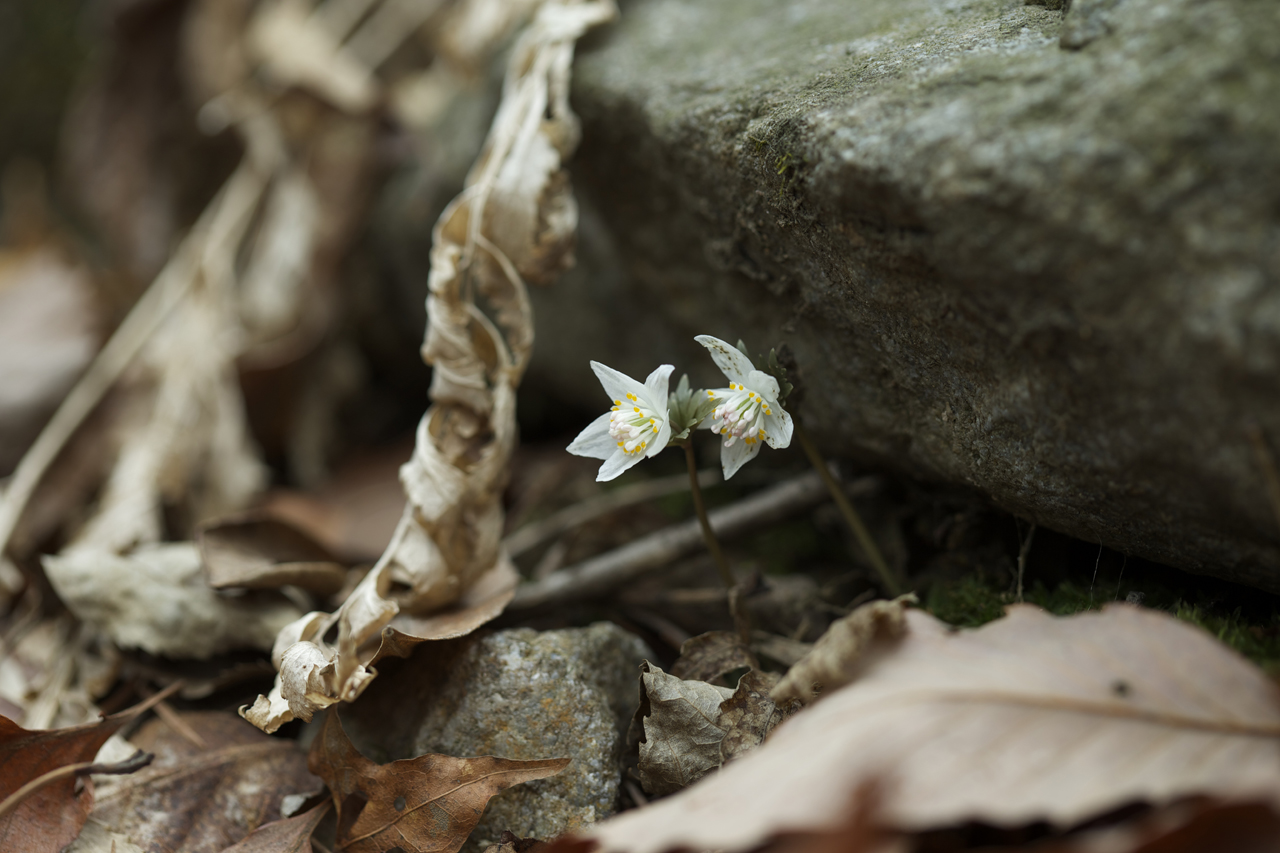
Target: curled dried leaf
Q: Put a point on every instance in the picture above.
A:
(839, 654)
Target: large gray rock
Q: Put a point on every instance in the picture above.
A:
(516, 694)
(1034, 254)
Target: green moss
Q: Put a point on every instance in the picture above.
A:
(967, 602)
(975, 599)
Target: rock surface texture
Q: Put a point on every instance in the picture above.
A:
(1027, 250)
(517, 694)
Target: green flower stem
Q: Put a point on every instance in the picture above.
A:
(892, 584)
(713, 544)
(737, 610)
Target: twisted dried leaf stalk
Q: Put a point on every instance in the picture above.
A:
(444, 572)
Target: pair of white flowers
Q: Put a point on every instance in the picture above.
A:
(744, 415)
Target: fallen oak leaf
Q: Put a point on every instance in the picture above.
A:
(429, 804)
(1032, 717)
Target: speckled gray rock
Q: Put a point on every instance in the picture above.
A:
(1031, 254)
(1028, 248)
(518, 694)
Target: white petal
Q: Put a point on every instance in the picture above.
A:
(595, 442)
(734, 457)
(764, 385)
(664, 436)
(778, 428)
(729, 359)
(657, 384)
(616, 384)
(616, 464)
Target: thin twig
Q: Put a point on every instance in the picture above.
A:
(532, 535)
(174, 721)
(600, 574)
(890, 580)
(708, 536)
(146, 316)
(1022, 559)
(132, 764)
(637, 796)
(119, 352)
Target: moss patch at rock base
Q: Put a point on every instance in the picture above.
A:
(976, 599)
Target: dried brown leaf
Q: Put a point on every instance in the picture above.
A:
(749, 715)
(356, 512)
(50, 818)
(692, 727)
(429, 803)
(256, 551)
(203, 799)
(1028, 718)
(52, 672)
(835, 659)
(158, 599)
(710, 656)
(682, 731)
(288, 835)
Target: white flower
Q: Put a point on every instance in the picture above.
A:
(635, 428)
(747, 411)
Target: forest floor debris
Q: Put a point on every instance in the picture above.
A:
(143, 558)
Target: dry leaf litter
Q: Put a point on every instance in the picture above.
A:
(890, 727)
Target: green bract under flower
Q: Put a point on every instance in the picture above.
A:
(747, 413)
(637, 426)
(688, 409)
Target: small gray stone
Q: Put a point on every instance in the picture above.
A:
(521, 694)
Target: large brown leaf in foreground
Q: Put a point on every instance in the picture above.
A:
(428, 804)
(203, 799)
(1031, 717)
(50, 818)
